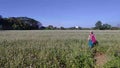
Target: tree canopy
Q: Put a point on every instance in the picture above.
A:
(99, 25)
(19, 23)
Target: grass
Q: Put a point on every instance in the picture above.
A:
(57, 49)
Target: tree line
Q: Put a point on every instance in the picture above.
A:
(25, 23)
(19, 23)
(98, 26)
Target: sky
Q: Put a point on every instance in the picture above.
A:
(66, 13)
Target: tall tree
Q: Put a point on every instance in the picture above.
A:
(98, 25)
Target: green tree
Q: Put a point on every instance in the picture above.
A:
(98, 25)
(106, 26)
(62, 28)
(19, 23)
(50, 27)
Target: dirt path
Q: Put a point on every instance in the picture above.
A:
(100, 59)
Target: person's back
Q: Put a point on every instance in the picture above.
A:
(92, 36)
(92, 39)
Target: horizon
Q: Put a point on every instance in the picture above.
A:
(66, 13)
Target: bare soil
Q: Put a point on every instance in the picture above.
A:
(100, 59)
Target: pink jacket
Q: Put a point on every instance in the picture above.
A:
(92, 37)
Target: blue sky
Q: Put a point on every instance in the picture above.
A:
(67, 13)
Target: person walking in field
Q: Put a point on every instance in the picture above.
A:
(92, 39)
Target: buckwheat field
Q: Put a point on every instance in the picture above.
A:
(59, 49)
